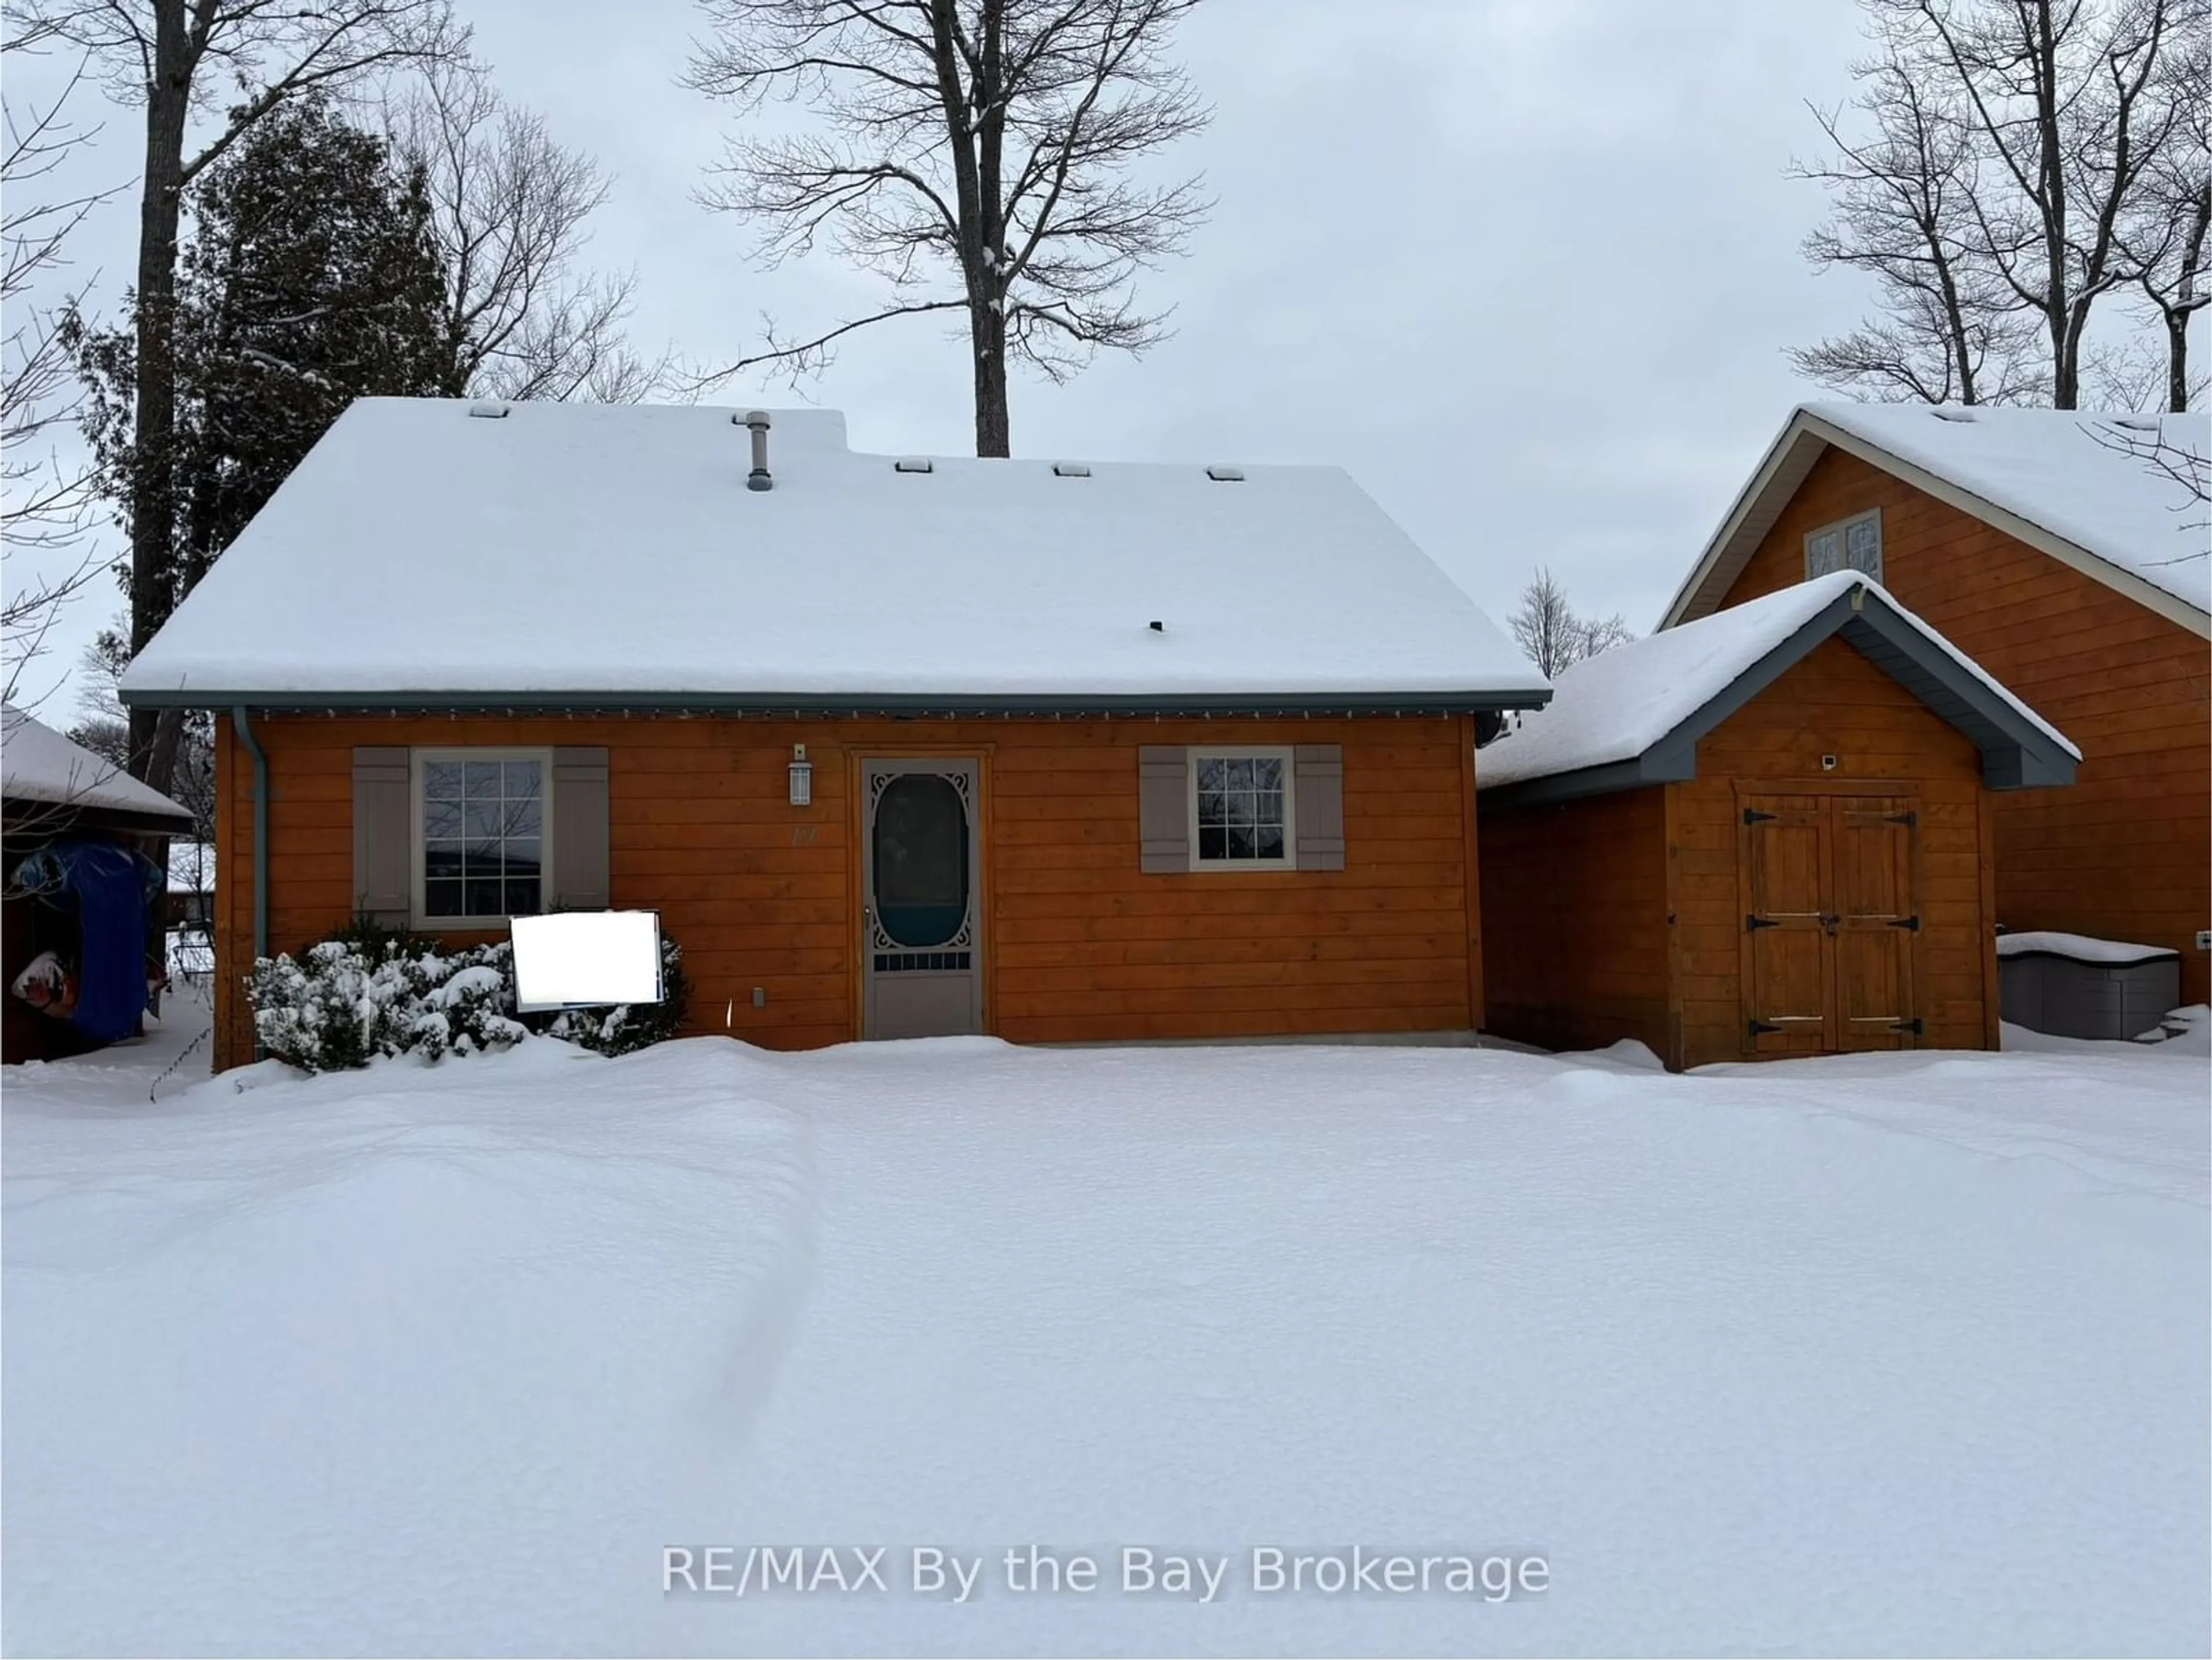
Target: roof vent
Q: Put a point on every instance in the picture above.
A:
(759, 478)
(488, 412)
(1071, 470)
(1953, 415)
(914, 464)
(1225, 475)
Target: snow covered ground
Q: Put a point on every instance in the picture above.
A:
(1896, 1354)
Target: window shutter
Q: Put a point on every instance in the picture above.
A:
(1163, 808)
(1318, 803)
(580, 880)
(383, 834)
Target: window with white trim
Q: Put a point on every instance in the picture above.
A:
(1853, 544)
(1242, 809)
(482, 842)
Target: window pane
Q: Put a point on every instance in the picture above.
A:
(1267, 774)
(483, 822)
(1268, 808)
(441, 778)
(522, 856)
(481, 897)
(1240, 808)
(524, 817)
(1209, 773)
(441, 820)
(441, 859)
(1240, 842)
(521, 896)
(1210, 808)
(522, 780)
(1863, 542)
(443, 899)
(1822, 553)
(483, 780)
(1212, 843)
(1269, 841)
(1238, 773)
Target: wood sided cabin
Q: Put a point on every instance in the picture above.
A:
(895, 746)
(1766, 833)
(2063, 553)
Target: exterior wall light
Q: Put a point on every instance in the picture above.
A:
(802, 777)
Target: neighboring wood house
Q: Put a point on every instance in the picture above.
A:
(2073, 571)
(1766, 833)
(895, 747)
(55, 793)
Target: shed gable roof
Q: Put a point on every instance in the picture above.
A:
(2055, 479)
(569, 556)
(39, 765)
(1632, 715)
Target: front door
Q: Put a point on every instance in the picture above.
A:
(921, 962)
(1829, 922)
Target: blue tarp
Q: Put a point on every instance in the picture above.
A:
(110, 887)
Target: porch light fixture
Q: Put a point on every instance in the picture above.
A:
(802, 777)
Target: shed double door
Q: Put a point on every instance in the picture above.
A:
(1831, 920)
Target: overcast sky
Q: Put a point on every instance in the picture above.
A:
(1526, 268)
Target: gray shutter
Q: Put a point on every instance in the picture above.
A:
(1318, 803)
(581, 881)
(1164, 807)
(383, 834)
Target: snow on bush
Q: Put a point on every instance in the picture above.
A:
(367, 992)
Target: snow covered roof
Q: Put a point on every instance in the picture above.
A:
(2060, 480)
(37, 764)
(2081, 947)
(1632, 715)
(612, 554)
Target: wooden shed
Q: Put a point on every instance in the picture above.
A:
(896, 746)
(2065, 552)
(54, 792)
(1767, 833)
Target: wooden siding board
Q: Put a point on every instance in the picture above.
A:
(1079, 942)
(2126, 852)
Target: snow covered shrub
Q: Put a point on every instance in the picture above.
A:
(370, 991)
(620, 1028)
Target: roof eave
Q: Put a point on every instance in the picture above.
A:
(1790, 457)
(787, 704)
(2016, 753)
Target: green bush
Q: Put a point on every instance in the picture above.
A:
(368, 990)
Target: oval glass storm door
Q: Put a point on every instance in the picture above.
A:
(920, 848)
(921, 965)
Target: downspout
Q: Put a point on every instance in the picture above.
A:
(244, 731)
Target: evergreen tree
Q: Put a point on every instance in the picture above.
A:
(310, 278)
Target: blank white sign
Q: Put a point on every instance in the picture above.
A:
(580, 957)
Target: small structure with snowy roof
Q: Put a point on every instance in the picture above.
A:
(48, 777)
(2069, 552)
(1762, 833)
(1633, 716)
(895, 745)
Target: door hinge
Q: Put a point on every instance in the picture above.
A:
(1912, 1026)
(1911, 922)
(1753, 816)
(1910, 820)
(1753, 924)
(1760, 1028)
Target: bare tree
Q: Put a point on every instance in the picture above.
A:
(509, 209)
(1901, 212)
(975, 155)
(2163, 234)
(45, 499)
(1552, 636)
(170, 57)
(2164, 449)
(2019, 137)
